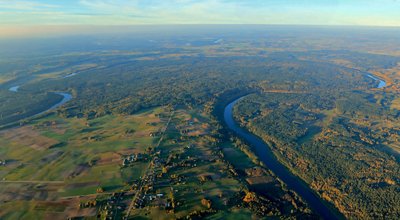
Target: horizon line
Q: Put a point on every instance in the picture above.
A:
(34, 30)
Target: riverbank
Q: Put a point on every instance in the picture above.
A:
(266, 155)
(66, 97)
(13, 89)
(381, 84)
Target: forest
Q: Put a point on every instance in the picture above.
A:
(333, 145)
(146, 115)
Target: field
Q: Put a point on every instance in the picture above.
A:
(74, 167)
(55, 158)
(143, 137)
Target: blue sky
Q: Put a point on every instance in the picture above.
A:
(130, 12)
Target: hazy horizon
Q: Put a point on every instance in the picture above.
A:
(199, 109)
(29, 31)
(35, 17)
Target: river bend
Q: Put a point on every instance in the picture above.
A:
(265, 154)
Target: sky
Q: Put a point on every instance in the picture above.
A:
(18, 14)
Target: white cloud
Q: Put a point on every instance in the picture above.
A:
(24, 5)
(126, 12)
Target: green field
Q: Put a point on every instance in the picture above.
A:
(57, 163)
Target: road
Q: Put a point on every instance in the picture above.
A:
(148, 173)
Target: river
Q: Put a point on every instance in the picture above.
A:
(66, 98)
(14, 89)
(265, 154)
(381, 82)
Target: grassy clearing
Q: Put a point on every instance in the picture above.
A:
(238, 159)
(395, 104)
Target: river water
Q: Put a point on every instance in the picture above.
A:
(264, 153)
(14, 89)
(66, 98)
(381, 82)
